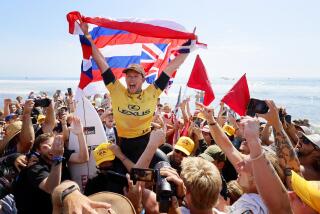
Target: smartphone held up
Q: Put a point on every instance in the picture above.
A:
(256, 106)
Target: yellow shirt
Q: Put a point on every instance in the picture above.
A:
(133, 113)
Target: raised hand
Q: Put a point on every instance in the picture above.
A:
(272, 116)
(57, 146)
(84, 27)
(250, 127)
(158, 137)
(28, 106)
(207, 112)
(76, 126)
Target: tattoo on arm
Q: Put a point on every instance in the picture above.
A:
(285, 151)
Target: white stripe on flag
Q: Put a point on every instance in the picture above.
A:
(122, 50)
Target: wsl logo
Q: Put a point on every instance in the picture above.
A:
(134, 111)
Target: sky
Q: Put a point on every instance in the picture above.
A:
(263, 38)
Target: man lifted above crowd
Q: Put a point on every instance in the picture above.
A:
(133, 108)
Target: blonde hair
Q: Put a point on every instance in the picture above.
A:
(235, 191)
(202, 180)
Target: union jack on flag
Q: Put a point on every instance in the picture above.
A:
(150, 43)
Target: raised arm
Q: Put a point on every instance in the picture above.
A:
(6, 108)
(184, 51)
(288, 158)
(54, 178)
(265, 177)
(26, 137)
(96, 54)
(265, 135)
(50, 120)
(221, 138)
(83, 155)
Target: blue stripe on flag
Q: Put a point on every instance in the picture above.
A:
(119, 61)
(101, 31)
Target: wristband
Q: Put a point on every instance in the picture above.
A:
(57, 160)
(258, 157)
(68, 191)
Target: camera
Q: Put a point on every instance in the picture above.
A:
(41, 102)
(164, 189)
(256, 106)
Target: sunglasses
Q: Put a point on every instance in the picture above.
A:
(306, 141)
(179, 152)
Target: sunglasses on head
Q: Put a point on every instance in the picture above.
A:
(179, 152)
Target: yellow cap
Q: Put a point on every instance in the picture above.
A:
(229, 130)
(102, 153)
(308, 191)
(40, 118)
(185, 145)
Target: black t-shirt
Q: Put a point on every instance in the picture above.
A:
(103, 182)
(29, 197)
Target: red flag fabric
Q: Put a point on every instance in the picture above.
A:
(238, 97)
(199, 80)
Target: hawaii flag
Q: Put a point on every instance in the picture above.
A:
(150, 43)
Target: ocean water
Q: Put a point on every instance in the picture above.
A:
(301, 97)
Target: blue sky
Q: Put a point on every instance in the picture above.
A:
(262, 38)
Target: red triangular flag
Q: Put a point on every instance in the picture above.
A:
(238, 97)
(199, 80)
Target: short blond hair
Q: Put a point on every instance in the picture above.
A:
(202, 180)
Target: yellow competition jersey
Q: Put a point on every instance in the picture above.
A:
(133, 113)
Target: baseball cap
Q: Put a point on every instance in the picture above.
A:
(313, 138)
(229, 130)
(304, 129)
(205, 129)
(135, 67)
(102, 153)
(308, 191)
(41, 118)
(10, 117)
(185, 145)
(212, 153)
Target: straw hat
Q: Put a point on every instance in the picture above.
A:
(119, 203)
(12, 130)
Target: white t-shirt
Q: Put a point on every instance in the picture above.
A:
(185, 210)
(250, 201)
(110, 135)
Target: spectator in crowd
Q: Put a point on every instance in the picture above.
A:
(19, 136)
(35, 183)
(182, 149)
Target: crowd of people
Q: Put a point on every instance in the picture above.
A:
(155, 160)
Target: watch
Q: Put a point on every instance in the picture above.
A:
(68, 191)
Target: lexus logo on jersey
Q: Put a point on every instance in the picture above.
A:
(134, 107)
